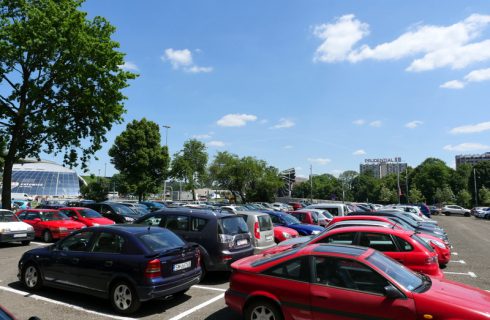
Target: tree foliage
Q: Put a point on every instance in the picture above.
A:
(138, 155)
(484, 196)
(415, 195)
(190, 163)
(60, 79)
(95, 190)
(429, 176)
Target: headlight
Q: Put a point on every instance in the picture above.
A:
(5, 229)
(62, 229)
(29, 228)
(315, 232)
(95, 224)
(286, 235)
(128, 219)
(438, 244)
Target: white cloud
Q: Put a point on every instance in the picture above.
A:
(283, 123)
(468, 146)
(215, 144)
(359, 122)
(359, 152)
(182, 59)
(129, 66)
(430, 46)
(413, 124)
(319, 161)
(288, 147)
(339, 38)
(376, 123)
(236, 120)
(478, 75)
(202, 136)
(453, 84)
(472, 128)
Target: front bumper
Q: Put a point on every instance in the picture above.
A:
(16, 236)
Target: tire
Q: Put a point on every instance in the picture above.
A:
(31, 277)
(47, 236)
(263, 309)
(447, 213)
(203, 270)
(123, 298)
(26, 242)
(466, 214)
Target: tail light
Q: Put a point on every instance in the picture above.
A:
(257, 230)
(431, 260)
(227, 239)
(153, 269)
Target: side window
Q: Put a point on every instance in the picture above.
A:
(404, 245)
(78, 242)
(177, 223)
(296, 269)
(23, 215)
(198, 224)
(340, 238)
(334, 211)
(69, 213)
(348, 274)
(378, 241)
(275, 219)
(32, 215)
(153, 220)
(109, 243)
(106, 209)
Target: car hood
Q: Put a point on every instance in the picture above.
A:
(101, 221)
(449, 295)
(15, 226)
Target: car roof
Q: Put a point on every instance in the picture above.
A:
(371, 228)
(344, 249)
(39, 210)
(195, 212)
(252, 213)
(128, 228)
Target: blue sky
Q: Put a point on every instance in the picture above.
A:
(327, 83)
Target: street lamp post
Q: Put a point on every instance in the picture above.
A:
(166, 145)
(476, 190)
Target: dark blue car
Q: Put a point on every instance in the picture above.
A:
(287, 220)
(126, 263)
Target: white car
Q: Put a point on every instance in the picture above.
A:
(453, 209)
(14, 230)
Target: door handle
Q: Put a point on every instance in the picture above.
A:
(75, 260)
(321, 297)
(108, 263)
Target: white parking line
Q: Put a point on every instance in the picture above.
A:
(454, 253)
(202, 305)
(209, 288)
(471, 274)
(36, 297)
(458, 261)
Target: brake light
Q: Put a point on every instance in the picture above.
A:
(431, 260)
(153, 269)
(257, 230)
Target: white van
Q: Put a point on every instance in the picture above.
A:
(335, 209)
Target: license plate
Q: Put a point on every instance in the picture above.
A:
(242, 242)
(20, 235)
(182, 266)
(268, 238)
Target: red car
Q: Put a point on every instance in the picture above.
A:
(87, 216)
(49, 224)
(284, 233)
(295, 205)
(338, 282)
(310, 217)
(443, 250)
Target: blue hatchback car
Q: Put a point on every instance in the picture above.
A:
(287, 220)
(127, 264)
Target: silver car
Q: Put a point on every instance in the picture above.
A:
(261, 228)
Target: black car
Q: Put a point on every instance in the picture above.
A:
(114, 211)
(124, 263)
(222, 237)
(153, 206)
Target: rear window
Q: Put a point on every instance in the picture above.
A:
(232, 225)
(265, 223)
(159, 241)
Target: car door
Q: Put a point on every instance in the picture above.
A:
(31, 218)
(344, 289)
(65, 266)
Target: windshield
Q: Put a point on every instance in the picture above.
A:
(314, 216)
(290, 219)
(120, 209)
(232, 226)
(402, 223)
(53, 216)
(8, 216)
(326, 215)
(398, 272)
(89, 213)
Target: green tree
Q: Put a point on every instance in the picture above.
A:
(482, 170)
(190, 163)
(138, 155)
(415, 195)
(461, 178)
(61, 82)
(119, 182)
(326, 186)
(387, 195)
(366, 188)
(95, 190)
(484, 195)
(463, 198)
(266, 186)
(444, 195)
(429, 176)
(346, 179)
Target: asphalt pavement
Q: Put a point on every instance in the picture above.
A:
(470, 238)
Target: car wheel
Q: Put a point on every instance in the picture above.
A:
(263, 309)
(31, 277)
(466, 214)
(26, 242)
(47, 236)
(447, 213)
(203, 270)
(124, 298)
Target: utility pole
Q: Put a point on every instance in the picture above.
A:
(311, 183)
(166, 145)
(398, 180)
(105, 170)
(476, 190)
(406, 181)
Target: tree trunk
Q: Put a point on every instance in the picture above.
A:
(193, 194)
(140, 196)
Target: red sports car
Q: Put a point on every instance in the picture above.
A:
(443, 250)
(284, 233)
(87, 216)
(337, 282)
(49, 224)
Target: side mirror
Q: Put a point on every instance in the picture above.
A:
(392, 292)
(36, 219)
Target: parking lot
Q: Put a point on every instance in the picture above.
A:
(470, 238)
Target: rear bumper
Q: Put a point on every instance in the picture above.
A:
(226, 258)
(146, 293)
(17, 236)
(258, 250)
(235, 300)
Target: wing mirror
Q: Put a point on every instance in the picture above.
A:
(37, 219)
(392, 292)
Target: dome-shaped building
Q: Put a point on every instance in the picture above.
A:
(46, 179)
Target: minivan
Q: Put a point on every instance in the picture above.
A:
(261, 229)
(222, 237)
(335, 209)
